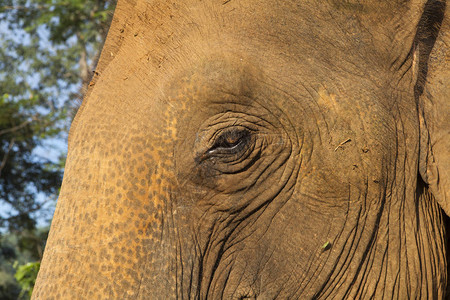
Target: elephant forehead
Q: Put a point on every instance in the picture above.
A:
(290, 40)
(160, 30)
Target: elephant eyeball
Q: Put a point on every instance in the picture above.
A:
(230, 141)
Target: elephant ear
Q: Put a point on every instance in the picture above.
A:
(433, 94)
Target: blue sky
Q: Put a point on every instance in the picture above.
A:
(52, 148)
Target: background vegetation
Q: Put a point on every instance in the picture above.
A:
(48, 52)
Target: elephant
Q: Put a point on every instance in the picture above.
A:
(243, 149)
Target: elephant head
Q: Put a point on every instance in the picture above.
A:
(259, 149)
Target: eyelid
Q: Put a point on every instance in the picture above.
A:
(238, 133)
(216, 149)
(226, 130)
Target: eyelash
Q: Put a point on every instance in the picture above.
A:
(230, 142)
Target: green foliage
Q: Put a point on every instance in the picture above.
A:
(9, 288)
(48, 52)
(26, 276)
(17, 277)
(47, 55)
(23, 127)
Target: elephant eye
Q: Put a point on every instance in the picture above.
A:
(228, 150)
(230, 141)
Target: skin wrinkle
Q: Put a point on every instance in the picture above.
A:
(355, 278)
(261, 117)
(309, 264)
(255, 218)
(228, 267)
(318, 268)
(222, 241)
(237, 286)
(250, 233)
(331, 280)
(401, 206)
(364, 270)
(389, 195)
(365, 278)
(216, 260)
(223, 251)
(337, 238)
(201, 243)
(362, 212)
(283, 128)
(353, 234)
(372, 252)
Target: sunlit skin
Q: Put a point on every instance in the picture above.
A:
(259, 149)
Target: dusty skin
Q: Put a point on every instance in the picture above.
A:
(256, 149)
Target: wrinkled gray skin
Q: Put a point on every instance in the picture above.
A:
(259, 149)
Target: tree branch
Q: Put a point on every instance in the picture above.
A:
(23, 7)
(18, 127)
(5, 157)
